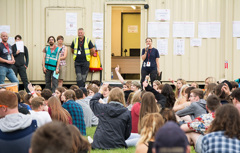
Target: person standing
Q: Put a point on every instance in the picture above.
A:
(63, 64)
(50, 63)
(6, 60)
(21, 64)
(150, 65)
(82, 49)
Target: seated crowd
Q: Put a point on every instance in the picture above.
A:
(154, 118)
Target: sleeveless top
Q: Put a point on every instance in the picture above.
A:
(62, 62)
(150, 145)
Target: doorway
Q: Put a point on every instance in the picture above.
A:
(126, 44)
(114, 55)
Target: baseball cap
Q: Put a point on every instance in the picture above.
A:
(170, 139)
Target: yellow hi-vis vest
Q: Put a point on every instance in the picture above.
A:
(87, 50)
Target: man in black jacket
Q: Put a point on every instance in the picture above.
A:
(21, 64)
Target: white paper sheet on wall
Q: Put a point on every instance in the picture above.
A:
(203, 29)
(179, 46)
(99, 44)
(236, 28)
(97, 25)
(209, 29)
(162, 14)
(20, 46)
(158, 29)
(162, 46)
(11, 40)
(5, 28)
(238, 43)
(214, 29)
(183, 29)
(71, 24)
(189, 29)
(98, 33)
(97, 16)
(178, 29)
(196, 42)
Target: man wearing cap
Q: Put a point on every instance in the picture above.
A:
(82, 49)
(6, 60)
(170, 138)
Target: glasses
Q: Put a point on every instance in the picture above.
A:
(3, 106)
(192, 96)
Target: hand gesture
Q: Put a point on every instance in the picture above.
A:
(103, 88)
(145, 84)
(226, 89)
(30, 87)
(117, 68)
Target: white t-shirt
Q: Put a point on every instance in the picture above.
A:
(42, 117)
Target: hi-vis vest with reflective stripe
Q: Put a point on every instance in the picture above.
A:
(51, 58)
(87, 50)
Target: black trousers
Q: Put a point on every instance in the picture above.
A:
(82, 73)
(21, 70)
(51, 82)
(153, 75)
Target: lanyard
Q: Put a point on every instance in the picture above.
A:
(149, 51)
(7, 47)
(52, 49)
(80, 43)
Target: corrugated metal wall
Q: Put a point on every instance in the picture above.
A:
(27, 18)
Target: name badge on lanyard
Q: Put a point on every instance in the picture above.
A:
(148, 64)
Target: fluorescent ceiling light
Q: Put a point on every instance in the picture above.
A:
(133, 7)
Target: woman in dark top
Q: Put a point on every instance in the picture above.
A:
(150, 65)
(150, 124)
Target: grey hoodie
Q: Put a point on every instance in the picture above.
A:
(16, 132)
(13, 122)
(94, 118)
(194, 110)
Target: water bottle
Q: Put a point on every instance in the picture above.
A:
(111, 75)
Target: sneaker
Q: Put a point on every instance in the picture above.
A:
(90, 140)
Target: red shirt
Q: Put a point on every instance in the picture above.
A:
(135, 116)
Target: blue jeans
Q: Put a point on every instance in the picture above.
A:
(9, 73)
(133, 139)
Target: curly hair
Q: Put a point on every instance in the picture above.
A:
(167, 91)
(226, 119)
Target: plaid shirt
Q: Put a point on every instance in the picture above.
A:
(76, 112)
(201, 123)
(217, 142)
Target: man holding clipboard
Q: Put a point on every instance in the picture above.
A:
(21, 64)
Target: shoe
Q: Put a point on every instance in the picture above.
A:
(90, 140)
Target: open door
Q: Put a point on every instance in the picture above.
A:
(116, 41)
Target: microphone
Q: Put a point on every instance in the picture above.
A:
(147, 47)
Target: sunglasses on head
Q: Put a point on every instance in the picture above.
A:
(3, 106)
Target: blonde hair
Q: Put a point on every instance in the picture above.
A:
(150, 124)
(116, 94)
(181, 91)
(136, 97)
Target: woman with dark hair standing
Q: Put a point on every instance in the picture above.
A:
(150, 65)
